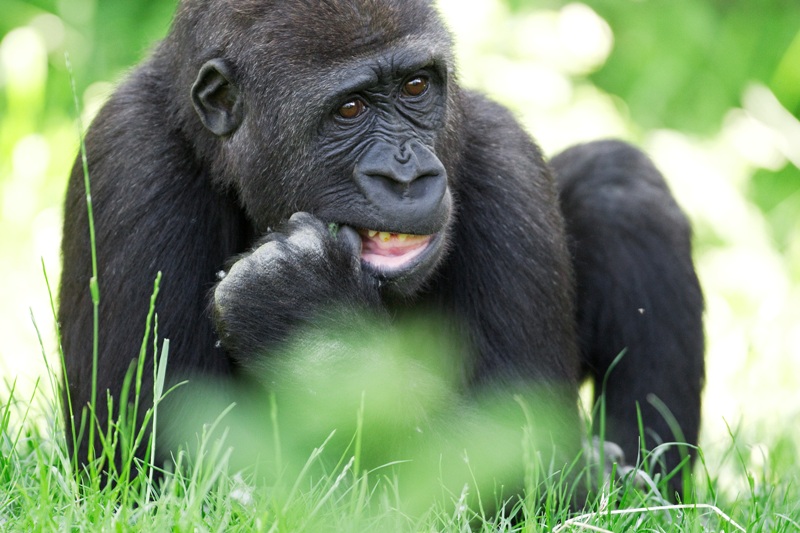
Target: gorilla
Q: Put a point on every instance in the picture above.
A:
(322, 156)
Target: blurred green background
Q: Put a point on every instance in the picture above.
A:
(709, 88)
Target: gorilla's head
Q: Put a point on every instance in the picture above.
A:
(337, 108)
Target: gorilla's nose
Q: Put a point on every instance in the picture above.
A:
(407, 177)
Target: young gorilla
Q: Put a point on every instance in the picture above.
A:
(324, 153)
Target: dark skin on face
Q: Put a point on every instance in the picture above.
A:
(387, 121)
(382, 132)
(323, 156)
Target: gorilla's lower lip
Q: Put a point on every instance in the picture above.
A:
(392, 253)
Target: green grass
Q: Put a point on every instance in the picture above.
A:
(313, 481)
(39, 491)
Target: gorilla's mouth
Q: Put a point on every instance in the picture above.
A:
(392, 252)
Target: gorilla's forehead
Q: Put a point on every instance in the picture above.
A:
(382, 64)
(326, 30)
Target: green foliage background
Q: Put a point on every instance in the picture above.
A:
(710, 88)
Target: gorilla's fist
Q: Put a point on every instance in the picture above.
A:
(306, 272)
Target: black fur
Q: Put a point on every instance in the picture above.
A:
(231, 128)
(637, 292)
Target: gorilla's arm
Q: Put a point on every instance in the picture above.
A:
(637, 292)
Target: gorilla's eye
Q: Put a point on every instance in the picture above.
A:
(352, 109)
(416, 86)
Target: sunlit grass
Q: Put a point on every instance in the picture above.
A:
(246, 469)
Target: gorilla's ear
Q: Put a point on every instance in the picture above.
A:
(216, 99)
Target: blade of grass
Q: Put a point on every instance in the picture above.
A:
(160, 371)
(94, 284)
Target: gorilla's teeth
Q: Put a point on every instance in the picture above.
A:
(388, 239)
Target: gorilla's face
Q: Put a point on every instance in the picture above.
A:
(355, 143)
(384, 127)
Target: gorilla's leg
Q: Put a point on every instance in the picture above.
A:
(637, 294)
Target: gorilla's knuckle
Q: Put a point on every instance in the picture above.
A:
(306, 240)
(223, 296)
(264, 257)
(301, 217)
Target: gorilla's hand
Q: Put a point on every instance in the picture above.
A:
(308, 273)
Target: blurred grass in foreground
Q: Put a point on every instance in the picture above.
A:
(388, 403)
(366, 434)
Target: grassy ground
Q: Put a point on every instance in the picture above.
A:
(39, 491)
(324, 484)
